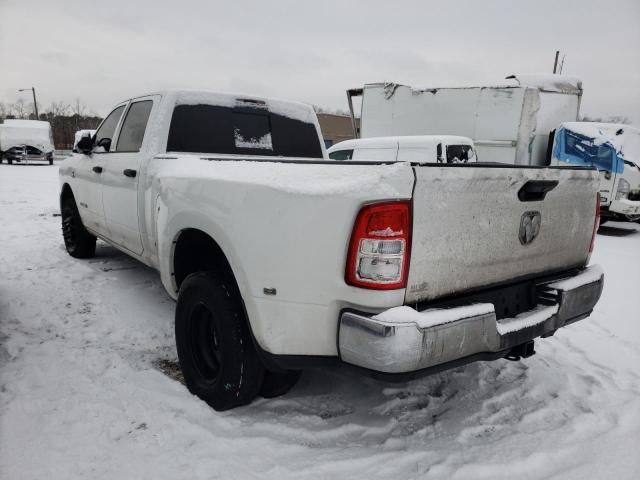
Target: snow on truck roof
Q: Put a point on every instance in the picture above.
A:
(402, 141)
(294, 110)
(549, 82)
(541, 81)
(26, 123)
(624, 138)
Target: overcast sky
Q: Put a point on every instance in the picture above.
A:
(102, 52)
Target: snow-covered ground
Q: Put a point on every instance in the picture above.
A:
(82, 394)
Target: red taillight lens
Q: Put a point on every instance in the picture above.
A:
(380, 246)
(596, 223)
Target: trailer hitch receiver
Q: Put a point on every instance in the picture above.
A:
(524, 350)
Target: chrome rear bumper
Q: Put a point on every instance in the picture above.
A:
(403, 340)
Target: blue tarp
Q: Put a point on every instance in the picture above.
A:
(577, 149)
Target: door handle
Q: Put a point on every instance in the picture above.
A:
(97, 169)
(536, 190)
(129, 173)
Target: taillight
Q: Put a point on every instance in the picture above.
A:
(596, 223)
(380, 246)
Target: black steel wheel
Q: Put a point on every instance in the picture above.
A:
(204, 342)
(77, 240)
(216, 352)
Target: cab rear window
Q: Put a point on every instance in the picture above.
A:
(245, 130)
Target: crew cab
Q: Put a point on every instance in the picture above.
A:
(281, 258)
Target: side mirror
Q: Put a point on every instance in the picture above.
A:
(104, 143)
(85, 145)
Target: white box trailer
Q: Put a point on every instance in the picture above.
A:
(508, 123)
(26, 140)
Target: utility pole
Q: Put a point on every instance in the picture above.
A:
(555, 64)
(35, 103)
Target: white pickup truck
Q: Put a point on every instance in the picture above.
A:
(280, 258)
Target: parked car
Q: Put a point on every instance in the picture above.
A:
(421, 148)
(26, 141)
(281, 258)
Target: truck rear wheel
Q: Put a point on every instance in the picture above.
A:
(217, 356)
(276, 384)
(77, 240)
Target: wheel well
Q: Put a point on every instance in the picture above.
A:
(195, 251)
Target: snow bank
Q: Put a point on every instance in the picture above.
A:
(82, 397)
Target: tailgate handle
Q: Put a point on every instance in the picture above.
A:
(536, 190)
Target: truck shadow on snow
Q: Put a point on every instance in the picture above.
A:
(108, 258)
(619, 229)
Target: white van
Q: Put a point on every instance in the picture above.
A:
(416, 149)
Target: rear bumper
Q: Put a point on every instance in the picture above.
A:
(404, 340)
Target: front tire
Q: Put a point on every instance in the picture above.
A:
(77, 240)
(216, 352)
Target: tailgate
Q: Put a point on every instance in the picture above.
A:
(471, 230)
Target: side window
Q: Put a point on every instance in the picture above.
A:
(105, 133)
(134, 126)
(201, 129)
(459, 153)
(341, 155)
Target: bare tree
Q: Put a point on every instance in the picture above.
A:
(79, 108)
(19, 108)
(58, 109)
(65, 119)
(31, 112)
